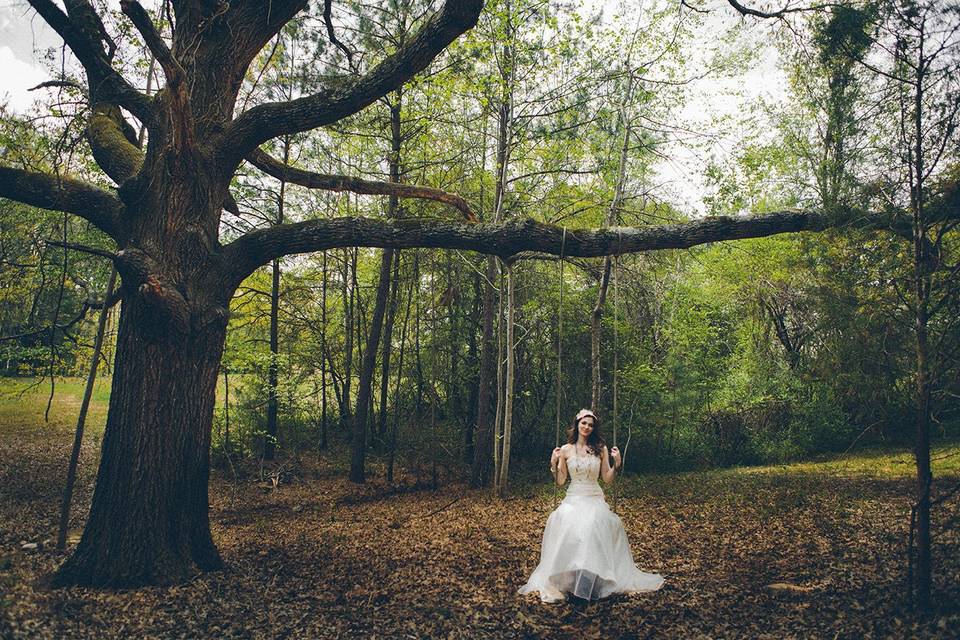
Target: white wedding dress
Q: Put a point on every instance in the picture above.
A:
(585, 550)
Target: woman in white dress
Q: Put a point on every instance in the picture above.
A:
(585, 550)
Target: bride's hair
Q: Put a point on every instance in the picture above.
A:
(594, 442)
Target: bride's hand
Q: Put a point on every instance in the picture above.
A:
(555, 458)
(615, 454)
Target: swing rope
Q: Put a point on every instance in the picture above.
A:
(616, 349)
(563, 242)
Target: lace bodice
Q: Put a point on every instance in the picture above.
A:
(584, 470)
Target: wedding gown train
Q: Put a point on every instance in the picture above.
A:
(585, 551)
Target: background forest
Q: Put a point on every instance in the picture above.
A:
(754, 351)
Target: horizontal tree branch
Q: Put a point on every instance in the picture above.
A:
(348, 95)
(91, 203)
(85, 307)
(94, 251)
(520, 236)
(505, 240)
(280, 171)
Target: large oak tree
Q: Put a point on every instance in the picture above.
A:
(148, 522)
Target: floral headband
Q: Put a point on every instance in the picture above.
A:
(586, 412)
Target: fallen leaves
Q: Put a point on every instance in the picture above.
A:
(788, 555)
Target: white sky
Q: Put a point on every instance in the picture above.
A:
(24, 35)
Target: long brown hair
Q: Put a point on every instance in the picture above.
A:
(595, 443)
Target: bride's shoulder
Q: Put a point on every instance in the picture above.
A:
(566, 447)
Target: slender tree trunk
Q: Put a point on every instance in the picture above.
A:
(498, 418)
(596, 325)
(396, 404)
(922, 294)
(323, 359)
(469, 432)
(393, 210)
(82, 418)
(347, 291)
(366, 371)
(508, 392)
(269, 445)
(483, 439)
(270, 441)
(388, 346)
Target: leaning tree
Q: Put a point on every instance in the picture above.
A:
(148, 522)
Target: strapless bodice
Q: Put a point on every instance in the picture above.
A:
(584, 471)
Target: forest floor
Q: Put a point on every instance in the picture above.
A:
(321, 558)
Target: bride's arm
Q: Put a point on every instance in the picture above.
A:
(560, 475)
(607, 472)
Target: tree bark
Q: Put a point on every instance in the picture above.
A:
(323, 359)
(148, 522)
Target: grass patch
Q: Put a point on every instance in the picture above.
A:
(23, 402)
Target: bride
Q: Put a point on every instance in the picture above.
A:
(585, 550)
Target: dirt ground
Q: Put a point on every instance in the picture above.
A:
(321, 558)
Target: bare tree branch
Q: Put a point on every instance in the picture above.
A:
(333, 36)
(59, 84)
(787, 9)
(348, 95)
(278, 170)
(91, 203)
(85, 37)
(141, 20)
(94, 251)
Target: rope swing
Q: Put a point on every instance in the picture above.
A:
(563, 243)
(616, 365)
(616, 350)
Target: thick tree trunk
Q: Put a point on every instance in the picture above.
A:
(148, 523)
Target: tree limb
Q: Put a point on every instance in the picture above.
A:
(747, 11)
(85, 37)
(94, 251)
(179, 110)
(347, 95)
(509, 239)
(113, 142)
(333, 36)
(141, 20)
(501, 239)
(277, 169)
(91, 203)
